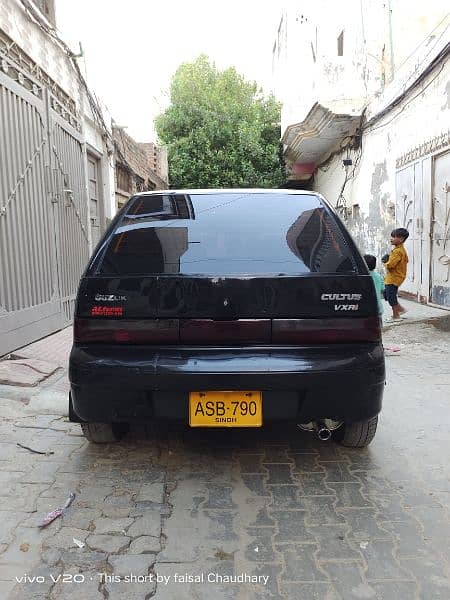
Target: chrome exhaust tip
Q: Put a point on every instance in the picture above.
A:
(323, 433)
(323, 428)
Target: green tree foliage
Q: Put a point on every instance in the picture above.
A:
(220, 130)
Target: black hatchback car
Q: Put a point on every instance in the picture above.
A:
(227, 308)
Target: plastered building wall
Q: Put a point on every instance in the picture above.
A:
(51, 58)
(371, 195)
(383, 42)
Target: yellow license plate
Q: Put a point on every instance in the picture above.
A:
(225, 409)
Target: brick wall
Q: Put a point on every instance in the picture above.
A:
(135, 167)
(157, 157)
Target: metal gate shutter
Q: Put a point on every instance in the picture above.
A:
(71, 209)
(44, 235)
(29, 298)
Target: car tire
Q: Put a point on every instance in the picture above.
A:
(102, 433)
(357, 435)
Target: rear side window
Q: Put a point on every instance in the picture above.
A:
(226, 234)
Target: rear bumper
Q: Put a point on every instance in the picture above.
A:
(129, 383)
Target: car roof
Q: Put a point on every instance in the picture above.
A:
(232, 191)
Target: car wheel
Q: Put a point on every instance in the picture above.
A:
(357, 435)
(102, 433)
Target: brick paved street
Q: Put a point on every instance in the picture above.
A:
(303, 519)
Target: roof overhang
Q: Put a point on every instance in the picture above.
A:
(321, 133)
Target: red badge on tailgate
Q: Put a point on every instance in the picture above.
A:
(107, 311)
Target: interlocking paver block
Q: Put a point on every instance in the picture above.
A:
(221, 525)
(435, 522)
(349, 495)
(338, 472)
(361, 459)
(219, 496)
(291, 526)
(364, 524)
(432, 577)
(300, 563)
(387, 590)
(279, 474)
(333, 544)
(276, 454)
(348, 580)
(409, 539)
(313, 484)
(307, 463)
(415, 495)
(270, 591)
(285, 497)
(256, 484)
(263, 519)
(308, 591)
(391, 509)
(321, 511)
(381, 563)
(260, 548)
(250, 463)
(333, 452)
(374, 484)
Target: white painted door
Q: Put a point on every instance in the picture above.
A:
(408, 214)
(440, 232)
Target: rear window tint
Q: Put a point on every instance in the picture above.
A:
(226, 234)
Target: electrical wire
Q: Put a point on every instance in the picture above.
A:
(439, 59)
(369, 128)
(424, 40)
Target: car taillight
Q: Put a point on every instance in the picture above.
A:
(326, 331)
(126, 331)
(240, 331)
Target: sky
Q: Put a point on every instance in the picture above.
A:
(133, 47)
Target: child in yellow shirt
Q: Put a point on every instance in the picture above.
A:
(396, 264)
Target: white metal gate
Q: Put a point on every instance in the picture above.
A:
(440, 232)
(70, 209)
(44, 225)
(409, 214)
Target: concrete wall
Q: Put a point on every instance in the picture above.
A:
(157, 159)
(382, 41)
(385, 164)
(387, 46)
(39, 47)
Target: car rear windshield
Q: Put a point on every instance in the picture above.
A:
(219, 234)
